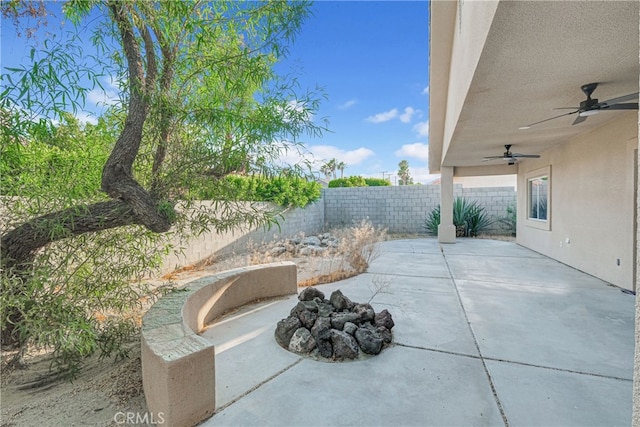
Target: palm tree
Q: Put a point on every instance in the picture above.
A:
(341, 166)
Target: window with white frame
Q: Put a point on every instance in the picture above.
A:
(538, 198)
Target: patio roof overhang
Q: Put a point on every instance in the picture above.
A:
(529, 59)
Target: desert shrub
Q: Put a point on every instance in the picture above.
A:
(376, 182)
(510, 219)
(433, 221)
(282, 190)
(469, 218)
(352, 181)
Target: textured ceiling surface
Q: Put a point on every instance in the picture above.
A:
(536, 57)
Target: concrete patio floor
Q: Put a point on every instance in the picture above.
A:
(487, 333)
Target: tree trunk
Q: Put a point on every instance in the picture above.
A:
(19, 246)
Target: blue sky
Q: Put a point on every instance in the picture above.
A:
(371, 59)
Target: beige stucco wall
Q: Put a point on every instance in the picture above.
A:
(592, 202)
(473, 21)
(457, 47)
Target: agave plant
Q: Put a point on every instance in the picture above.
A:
(469, 218)
(477, 219)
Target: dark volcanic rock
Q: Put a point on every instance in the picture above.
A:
(308, 318)
(384, 319)
(325, 309)
(365, 311)
(339, 301)
(350, 328)
(339, 319)
(385, 334)
(369, 340)
(344, 345)
(302, 341)
(308, 294)
(285, 330)
(337, 327)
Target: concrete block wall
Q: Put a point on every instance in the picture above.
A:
(400, 209)
(495, 200)
(309, 220)
(403, 209)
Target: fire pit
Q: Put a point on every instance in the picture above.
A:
(333, 329)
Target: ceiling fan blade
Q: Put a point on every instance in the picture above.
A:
(579, 119)
(556, 117)
(486, 159)
(620, 99)
(629, 106)
(526, 156)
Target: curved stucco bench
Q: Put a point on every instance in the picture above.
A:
(178, 365)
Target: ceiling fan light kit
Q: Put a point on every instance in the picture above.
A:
(511, 158)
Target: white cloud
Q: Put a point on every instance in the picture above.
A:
(383, 117)
(350, 103)
(323, 153)
(108, 95)
(417, 150)
(421, 174)
(407, 115)
(317, 155)
(422, 128)
(84, 117)
(425, 91)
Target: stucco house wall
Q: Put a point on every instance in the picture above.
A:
(592, 202)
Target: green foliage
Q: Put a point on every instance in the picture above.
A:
(404, 174)
(376, 182)
(469, 218)
(510, 220)
(477, 220)
(352, 181)
(212, 107)
(286, 191)
(63, 161)
(433, 221)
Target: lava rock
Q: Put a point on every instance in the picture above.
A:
(339, 301)
(339, 319)
(310, 293)
(368, 340)
(307, 318)
(350, 328)
(384, 319)
(302, 341)
(285, 330)
(321, 328)
(325, 309)
(344, 345)
(385, 334)
(365, 311)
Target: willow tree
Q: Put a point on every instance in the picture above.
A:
(199, 99)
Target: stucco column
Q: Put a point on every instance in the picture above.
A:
(446, 229)
(635, 421)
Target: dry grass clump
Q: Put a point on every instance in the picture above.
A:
(356, 250)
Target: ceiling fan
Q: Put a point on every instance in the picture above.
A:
(590, 106)
(510, 157)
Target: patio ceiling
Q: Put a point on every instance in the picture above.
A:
(536, 57)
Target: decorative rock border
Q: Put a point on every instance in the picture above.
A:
(178, 365)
